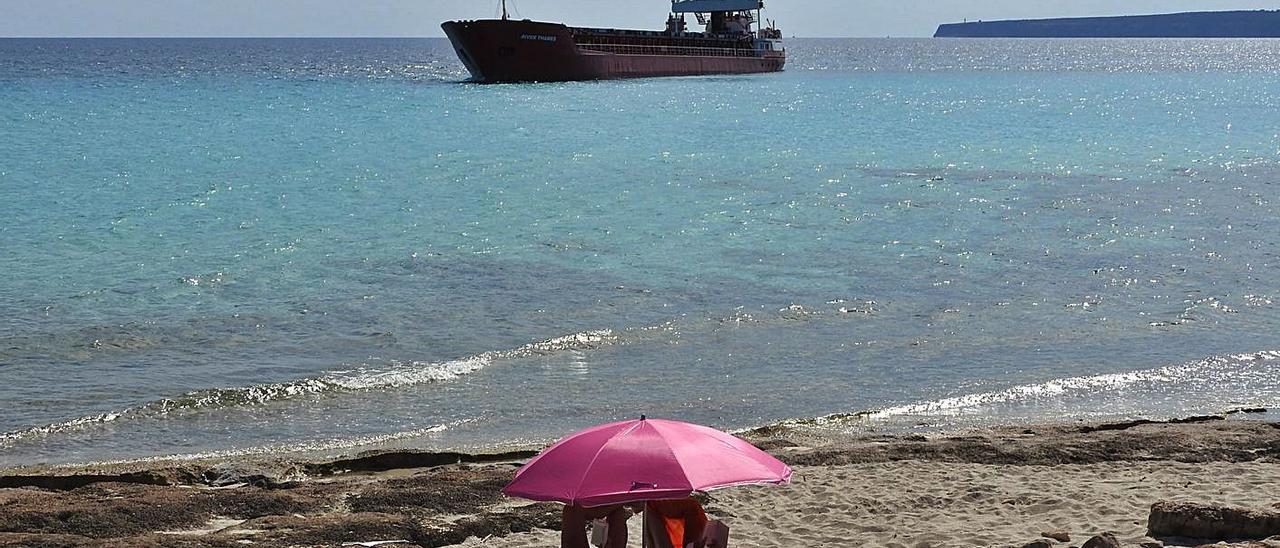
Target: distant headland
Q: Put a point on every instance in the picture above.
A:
(1211, 24)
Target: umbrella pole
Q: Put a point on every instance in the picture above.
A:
(644, 527)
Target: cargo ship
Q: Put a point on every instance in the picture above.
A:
(507, 50)
(1203, 24)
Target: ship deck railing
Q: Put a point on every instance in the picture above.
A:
(621, 32)
(651, 33)
(684, 51)
(687, 35)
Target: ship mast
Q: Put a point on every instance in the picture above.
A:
(504, 10)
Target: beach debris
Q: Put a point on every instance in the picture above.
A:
(1273, 542)
(215, 525)
(1038, 543)
(1104, 540)
(75, 481)
(1148, 542)
(232, 474)
(1142, 422)
(1060, 536)
(375, 543)
(1204, 521)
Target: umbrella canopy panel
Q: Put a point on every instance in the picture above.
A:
(643, 460)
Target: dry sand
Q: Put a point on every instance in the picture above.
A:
(929, 504)
(998, 487)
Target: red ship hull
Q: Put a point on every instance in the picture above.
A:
(497, 51)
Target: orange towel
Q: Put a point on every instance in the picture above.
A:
(684, 519)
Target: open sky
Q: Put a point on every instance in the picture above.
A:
(334, 18)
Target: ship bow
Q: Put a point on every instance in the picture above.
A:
(497, 51)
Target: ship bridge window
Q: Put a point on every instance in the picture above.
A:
(506, 51)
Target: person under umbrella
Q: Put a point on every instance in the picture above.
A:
(599, 471)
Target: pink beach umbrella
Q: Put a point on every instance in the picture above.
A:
(643, 460)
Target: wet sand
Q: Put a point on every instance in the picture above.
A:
(993, 487)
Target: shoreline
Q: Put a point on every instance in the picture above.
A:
(820, 430)
(869, 489)
(839, 430)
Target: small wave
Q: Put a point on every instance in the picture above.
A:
(208, 280)
(1198, 310)
(1056, 388)
(314, 446)
(400, 374)
(1071, 385)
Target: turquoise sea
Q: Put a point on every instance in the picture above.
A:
(246, 246)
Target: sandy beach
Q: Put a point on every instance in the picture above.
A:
(995, 487)
(912, 504)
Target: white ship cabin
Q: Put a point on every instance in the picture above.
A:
(732, 18)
